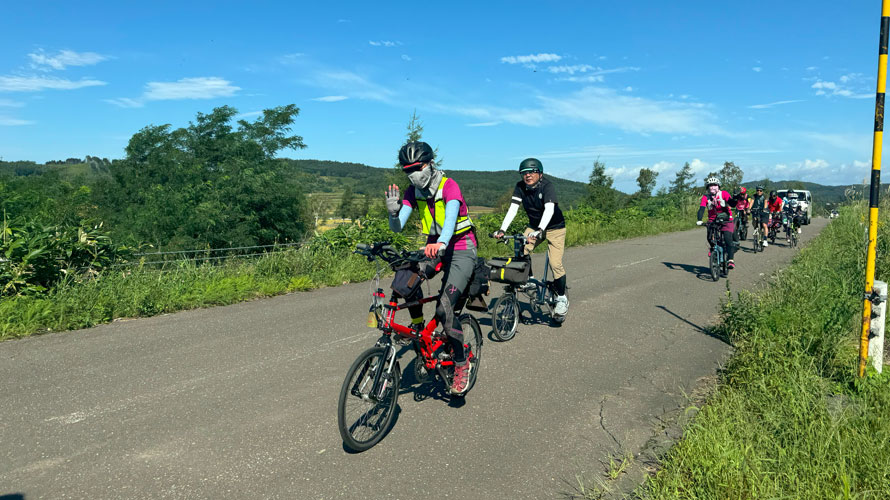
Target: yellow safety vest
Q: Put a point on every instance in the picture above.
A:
(434, 227)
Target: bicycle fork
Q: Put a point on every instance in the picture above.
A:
(382, 377)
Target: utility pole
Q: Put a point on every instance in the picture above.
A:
(870, 296)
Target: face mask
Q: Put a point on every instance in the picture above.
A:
(422, 178)
(714, 189)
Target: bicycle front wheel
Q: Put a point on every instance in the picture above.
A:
(505, 317)
(714, 262)
(364, 418)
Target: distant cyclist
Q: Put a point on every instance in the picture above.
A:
(760, 212)
(717, 201)
(545, 222)
(742, 205)
(774, 204)
(450, 233)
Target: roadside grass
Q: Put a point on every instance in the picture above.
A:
(326, 261)
(789, 418)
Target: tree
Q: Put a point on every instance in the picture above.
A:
(318, 206)
(600, 193)
(210, 184)
(682, 182)
(414, 134)
(346, 209)
(731, 176)
(646, 181)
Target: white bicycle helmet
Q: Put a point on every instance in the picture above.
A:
(712, 181)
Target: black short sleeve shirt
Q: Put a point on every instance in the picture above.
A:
(533, 200)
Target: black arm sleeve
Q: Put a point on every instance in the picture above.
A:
(701, 211)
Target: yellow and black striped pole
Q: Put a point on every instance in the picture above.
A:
(875, 188)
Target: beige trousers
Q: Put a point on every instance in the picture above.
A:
(556, 244)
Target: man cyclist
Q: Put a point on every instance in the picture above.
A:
(794, 213)
(545, 222)
(450, 234)
(774, 204)
(717, 201)
(759, 212)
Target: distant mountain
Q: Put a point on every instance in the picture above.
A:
(478, 187)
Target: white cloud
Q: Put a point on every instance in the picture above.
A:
(531, 58)
(699, 166)
(351, 85)
(814, 164)
(812, 68)
(331, 98)
(606, 107)
(777, 103)
(249, 114)
(37, 83)
(9, 103)
(584, 79)
(628, 89)
(63, 59)
(406, 57)
(483, 124)
(662, 166)
(126, 102)
(575, 68)
(384, 43)
(851, 85)
(187, 88)
(757, 69)
(190, 88)
(13, 122)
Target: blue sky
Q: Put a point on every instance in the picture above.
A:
(783, 91)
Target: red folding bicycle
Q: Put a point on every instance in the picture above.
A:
(367, 402)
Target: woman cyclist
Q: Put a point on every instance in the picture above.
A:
(450, 234)
(774, 204)
(718, 201)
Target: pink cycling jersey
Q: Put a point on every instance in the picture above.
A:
(450, 191)
(714, 209)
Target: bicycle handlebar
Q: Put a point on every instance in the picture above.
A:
(508, 237)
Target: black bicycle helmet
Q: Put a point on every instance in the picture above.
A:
(531, 165)
(416, 152)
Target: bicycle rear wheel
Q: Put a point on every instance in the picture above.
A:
(362, 419)
(473, 338)
(743, 232)
(714, 262)
(505, 317)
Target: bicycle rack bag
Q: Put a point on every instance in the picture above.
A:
(513, 271)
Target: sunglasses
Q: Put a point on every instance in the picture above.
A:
(413, 167)
(529, 172)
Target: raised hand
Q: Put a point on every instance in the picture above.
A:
(393, 200)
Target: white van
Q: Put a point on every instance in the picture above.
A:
(802, 197)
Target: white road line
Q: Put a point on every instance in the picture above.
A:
(619, 266)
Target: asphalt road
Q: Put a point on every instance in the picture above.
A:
(240, 401)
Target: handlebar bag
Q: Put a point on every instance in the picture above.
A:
(513, 271)
(406, 282)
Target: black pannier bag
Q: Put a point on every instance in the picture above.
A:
(478, 286)
(406, 282)
(509, 270)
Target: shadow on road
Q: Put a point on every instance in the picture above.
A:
(710, 332)
(700, 272)
(13, 496)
